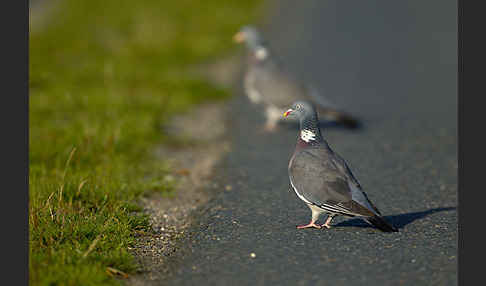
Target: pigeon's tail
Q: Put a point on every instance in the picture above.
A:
(339, 117)
(381, 224)
(328, 110)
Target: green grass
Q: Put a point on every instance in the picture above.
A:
(104, 77)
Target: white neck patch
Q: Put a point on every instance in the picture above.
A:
(307, 135)
(261, 53)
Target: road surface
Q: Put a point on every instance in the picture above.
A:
(394, 65)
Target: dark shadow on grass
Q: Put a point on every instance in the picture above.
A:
(399, 221)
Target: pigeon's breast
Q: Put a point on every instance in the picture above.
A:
(297, 192)
(292, 183)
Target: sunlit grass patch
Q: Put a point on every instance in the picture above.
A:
(104, 78)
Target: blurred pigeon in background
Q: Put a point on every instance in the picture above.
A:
(266, 82)
(322, 179)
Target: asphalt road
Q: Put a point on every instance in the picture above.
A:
(391, 63)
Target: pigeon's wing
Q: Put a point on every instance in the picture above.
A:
(328, 110)
(277, 87)
(316, 96)
(316, 177)
(357, 193)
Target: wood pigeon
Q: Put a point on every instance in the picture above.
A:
(267, 82)
(322, 179)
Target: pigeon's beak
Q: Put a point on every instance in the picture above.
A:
(286, 113)
(239, 37)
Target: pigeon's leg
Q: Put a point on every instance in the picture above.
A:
(273, 115)
(328, 221)
(270, 126)
(315, 215)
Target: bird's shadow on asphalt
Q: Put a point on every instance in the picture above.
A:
(325, 125)
(334, 125)
(399, 221)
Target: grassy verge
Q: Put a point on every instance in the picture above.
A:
(104, 77)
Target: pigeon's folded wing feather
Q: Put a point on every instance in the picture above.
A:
(357, 194)
(278, 88)
(320, 181)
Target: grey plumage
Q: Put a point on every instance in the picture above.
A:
(267, 82)
(322, 179)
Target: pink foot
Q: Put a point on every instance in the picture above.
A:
(309, 225)
(326, 225)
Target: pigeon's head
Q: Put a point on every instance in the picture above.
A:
(300, 110)
(250, 36)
